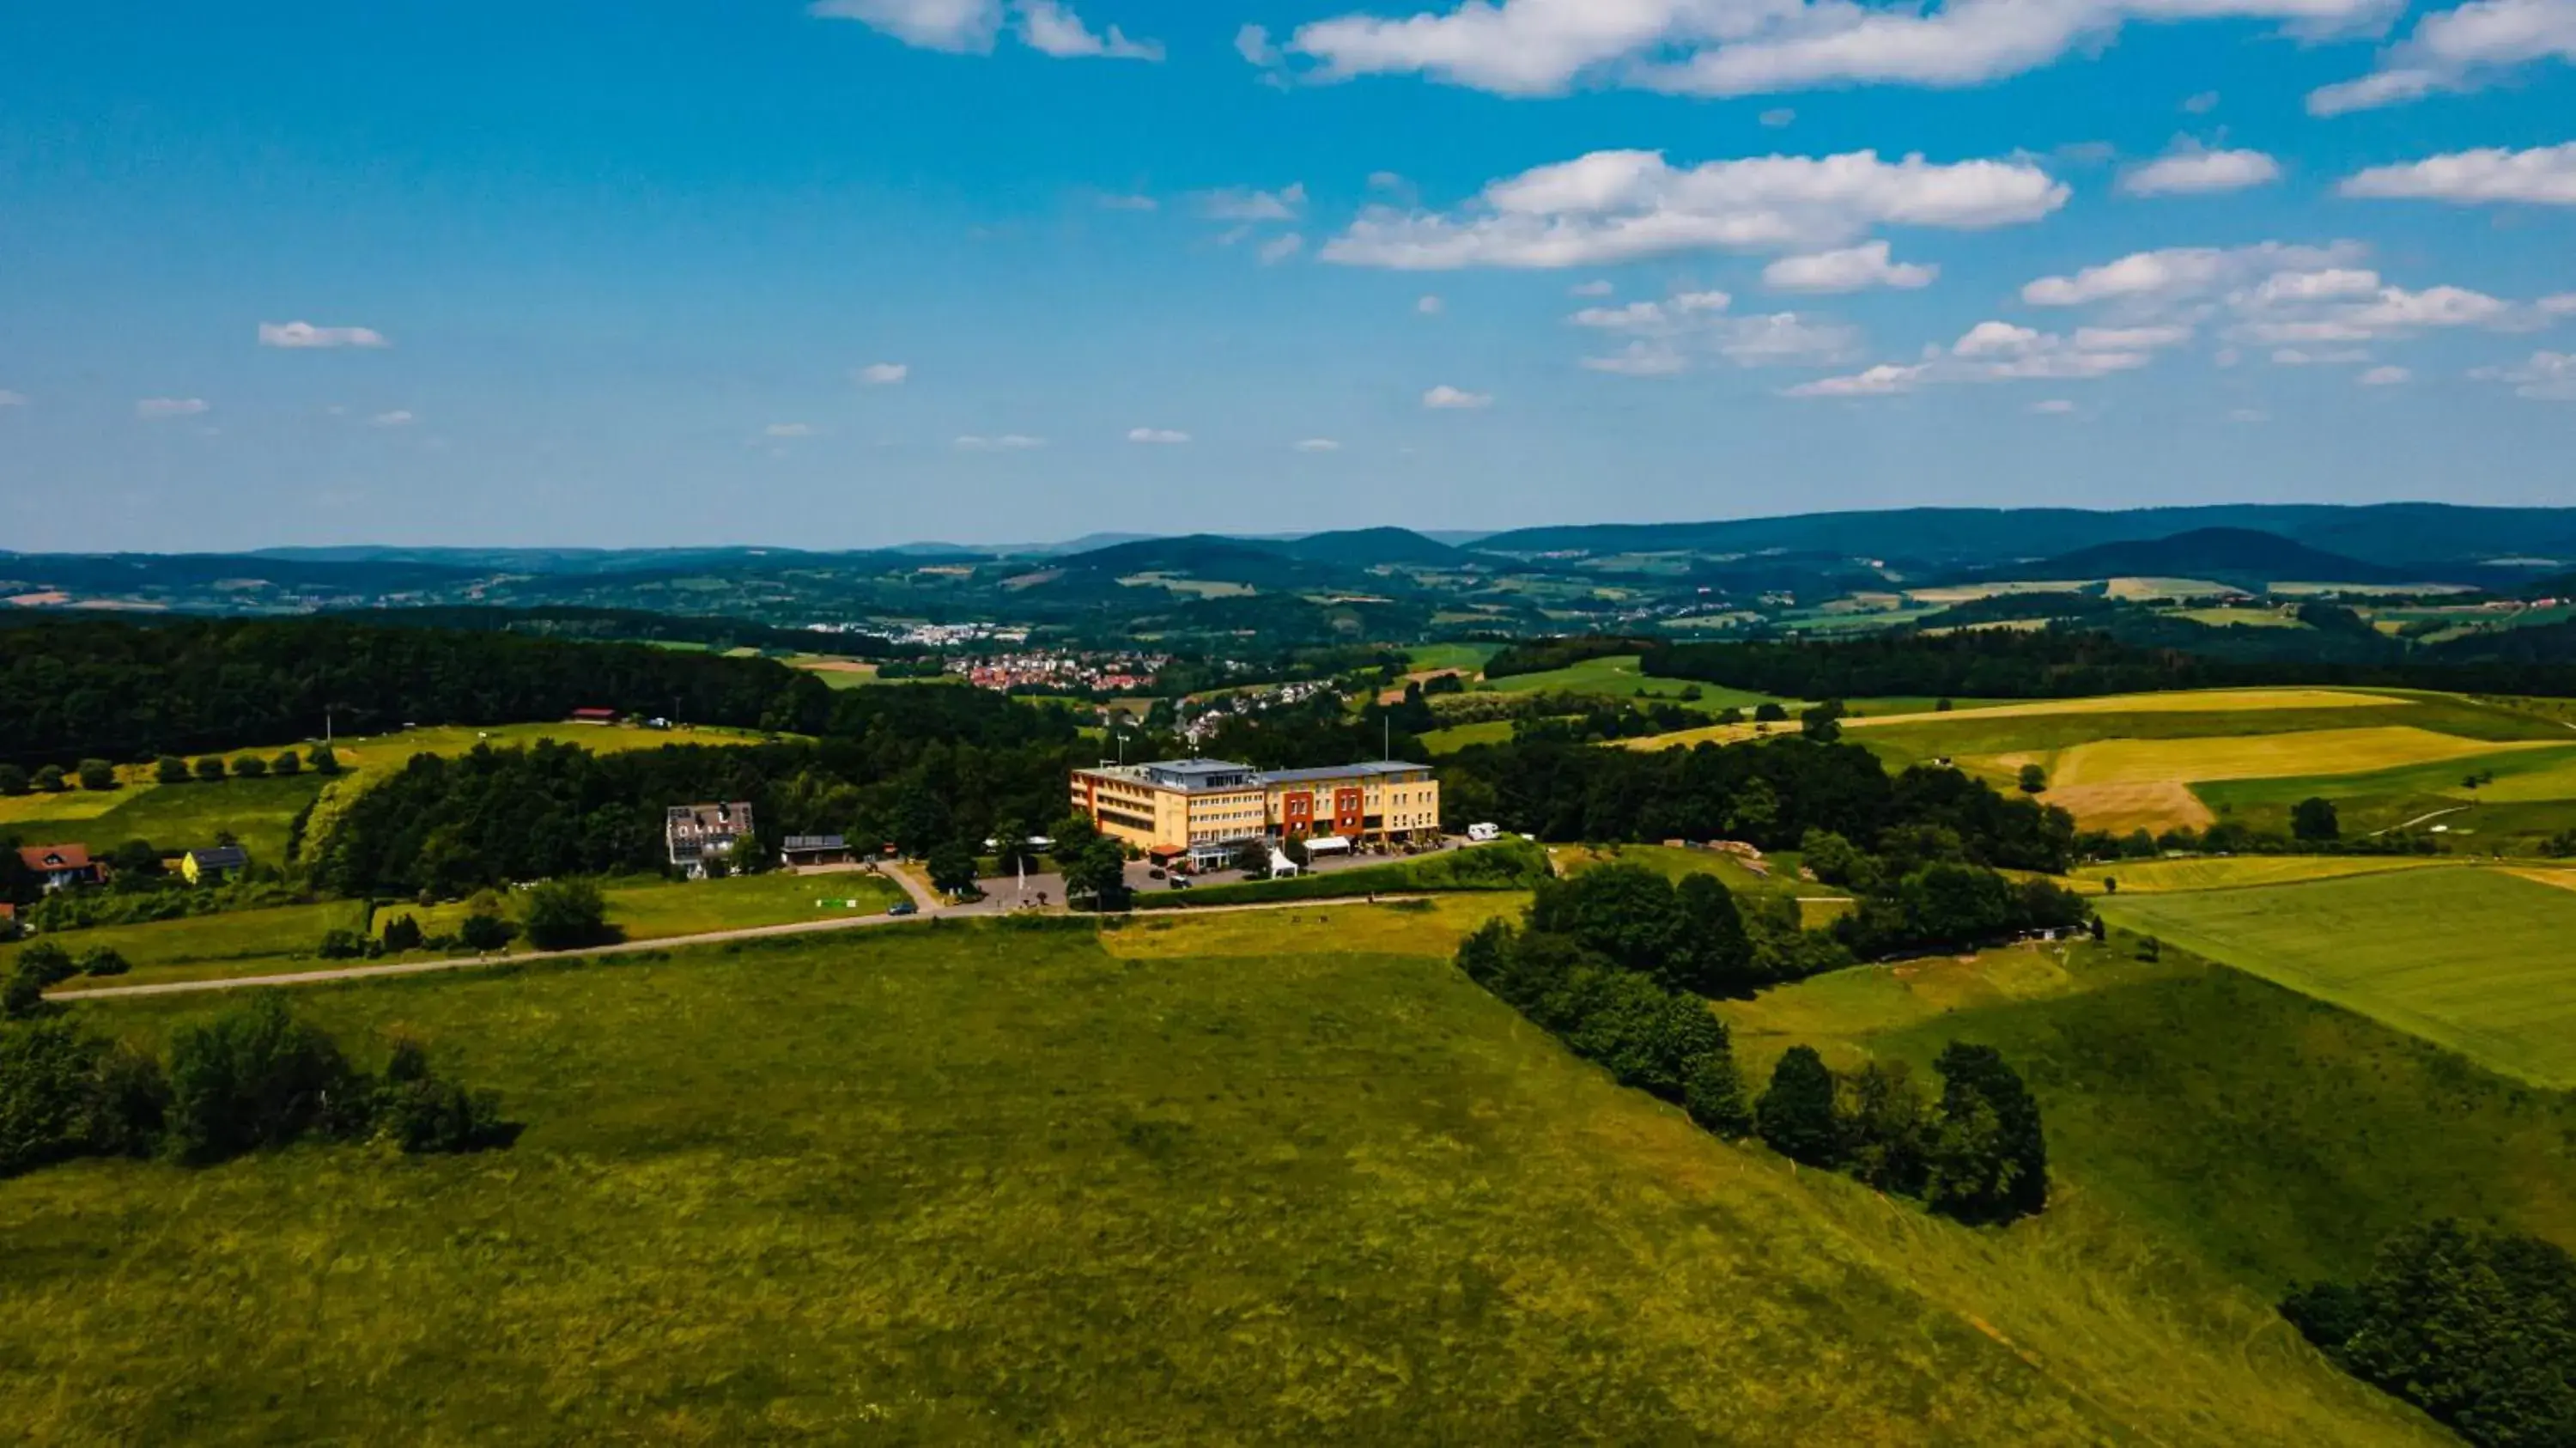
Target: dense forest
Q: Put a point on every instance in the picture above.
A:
(611, 625)
(78, 688)
(2066, 662)
(918, 768)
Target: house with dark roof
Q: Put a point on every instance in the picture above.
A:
(61, 867)
(205, 867)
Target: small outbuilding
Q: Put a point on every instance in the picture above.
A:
(802, 850)
(205, 867)
(594, 716)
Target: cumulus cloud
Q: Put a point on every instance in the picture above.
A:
(154, 409)
(1121, 201)
(789, 429)
(2384, 377)
(1642, 359)
(2197, 173)
(399, 417)
(1254, 44)
(954, 25)
(1671, 334)
(1430, 306)
(305, 335)
(1618, 206)
(1998, 351)
(2201, 104)
(1007, 442)
(2547, 377)
(1280, 248)
(1242, 204)
(1447, 398)
(884, 374)
(1850, 269)
(2052, 407)
(2181, 273)
(1318, 445)
(2543, 176)
(2301, 357)
(2561, 305)
(1743, 47)
(2457, 50)
(2249, 415)
(1050, 28)
(1157, 436)
(1880, 381)
(1590, 289)
(1777, 117)
(12, 399)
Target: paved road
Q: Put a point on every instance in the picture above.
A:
(632, 947)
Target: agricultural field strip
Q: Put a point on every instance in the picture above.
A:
(2218, 758)
(2480, 961)
(2197, 701)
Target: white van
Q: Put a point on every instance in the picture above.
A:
(1483, 834)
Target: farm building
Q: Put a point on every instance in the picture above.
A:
(702, 834)
(200, 867)
(594, 716)
(803, 850)
(60, 867)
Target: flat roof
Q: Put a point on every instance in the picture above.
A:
(1343, 771)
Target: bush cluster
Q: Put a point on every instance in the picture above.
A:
(1978, 1154)
(252, 1078)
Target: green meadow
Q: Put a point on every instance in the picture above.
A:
(260, 813)
(991, 1184)
(2480, 961)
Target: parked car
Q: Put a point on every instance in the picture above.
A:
(1180, 884)
(903, 907)
(1155, 874)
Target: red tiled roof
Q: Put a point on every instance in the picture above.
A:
(44, 859)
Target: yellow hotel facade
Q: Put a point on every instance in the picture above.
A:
(1207, 808)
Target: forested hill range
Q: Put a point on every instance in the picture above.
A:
(1761, 576)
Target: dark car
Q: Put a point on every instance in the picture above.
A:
(904, 907)
(1179, 884)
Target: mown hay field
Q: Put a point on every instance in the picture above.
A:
(2480, 961)
(991, 1184)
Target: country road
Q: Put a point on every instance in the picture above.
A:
(673, 942)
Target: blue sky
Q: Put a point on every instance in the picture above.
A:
(877, 270)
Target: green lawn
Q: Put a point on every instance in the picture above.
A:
(989, 1185)
(259, 812)
(236, 942)
(1624, 677)
(2478, 961)
(1466, 658)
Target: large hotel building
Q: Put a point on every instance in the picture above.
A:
(1206, 808)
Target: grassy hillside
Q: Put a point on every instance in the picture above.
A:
(1176, 1183)
(2481, 961)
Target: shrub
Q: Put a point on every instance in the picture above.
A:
(1796, 1115)
(49, 779)
(342, 944)
(256, 1077)
(1714, 1096)
(1988, 1160)
(286, 763)
(402, 933)
(97, 775)
(22, 995)
(170, 769)
(101, 960)
(65, 1092)
(564, 915)
(250, 766)
(485, 932)
(13, 780)
(323, 760)
(210, 769)
(421, 1112)
(49, 963)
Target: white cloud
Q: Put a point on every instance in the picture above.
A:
(1777, 117)
(2130, 339)
(2201, 104)
(12, 399)
(1240, 204)
(1157, 436)
(884, 374)
(1007, 442)
(305, 335)
(1319, 445)
(1642, 359)
(2249, 415)
(954, 25)
(154, 409)
(1254, 44)
(1447, 398)
(1741, 47)
(2384, 377)
(1280, 248)
(1880, 381)
(399, 417)
(1617, 206)
(2300, 357)
(2547, 377)
(2544, 175)
(1995, 339)
(1050, 28)
(1653, 316)
(2053, 407)
(2196, 173)
(2457, 50)
(1430, 306)
(2561, 305)
(1851, 269)
(1590, 289)
(2300, 311)
(789, 429)
(1129, 202)
(2181, 273)
(1784, 339)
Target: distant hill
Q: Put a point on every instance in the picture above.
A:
(1373, 548)
(2405, 536)
(2241, 557)
(1202, 556)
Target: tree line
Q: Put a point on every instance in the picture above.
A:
(1618, 963)
(2478, 1329)
(252, 1078)
(75, 688)
(2080, 660)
